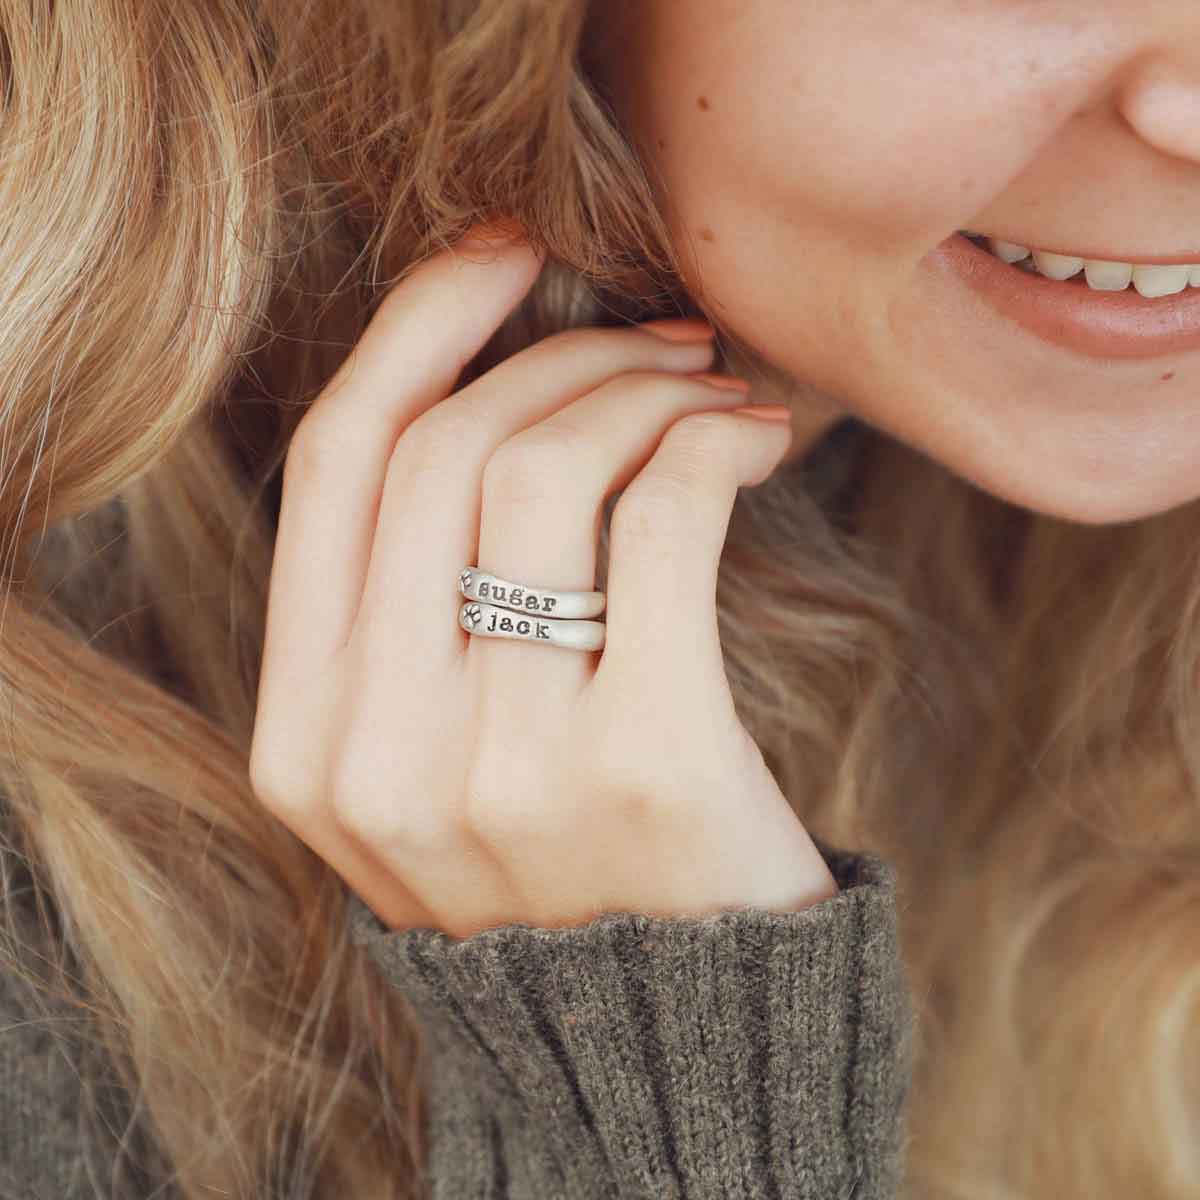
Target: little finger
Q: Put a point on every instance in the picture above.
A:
(666, 537)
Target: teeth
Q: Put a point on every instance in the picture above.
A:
(1100, 276)
(1160, 281)
(1108, 276)
(1010, 252)
(1056, 266)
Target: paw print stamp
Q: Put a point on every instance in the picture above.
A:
(464, 582)
(472, 614)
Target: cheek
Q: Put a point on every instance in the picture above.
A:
(779, 198)
(898, 133)
(779, 255)
(795, 295)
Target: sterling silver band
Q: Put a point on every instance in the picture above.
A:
(540, 602)
(490, 620)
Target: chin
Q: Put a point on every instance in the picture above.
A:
(1052, 490)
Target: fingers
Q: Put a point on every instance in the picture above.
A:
(543, 491)
(431, 508)
(334, 474)
(407, 359)
(666, 536)
(543, 496)
(285, 783)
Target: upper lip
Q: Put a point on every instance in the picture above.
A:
(1148, 260)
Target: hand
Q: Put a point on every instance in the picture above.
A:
(460, 782)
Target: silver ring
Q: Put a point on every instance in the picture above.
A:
(542, 602)
(490, 620)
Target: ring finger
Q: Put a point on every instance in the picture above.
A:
(543, 498)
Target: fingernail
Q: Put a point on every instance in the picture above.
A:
(681, 329)
(766, 412)
(729, 383)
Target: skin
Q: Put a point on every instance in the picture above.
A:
(459, 781)
(811, 155)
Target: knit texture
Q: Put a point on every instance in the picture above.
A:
(746, 1054)
(66, 1122)
(743, 1054)
(39, 1133)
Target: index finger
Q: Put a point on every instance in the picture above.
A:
(424, 332)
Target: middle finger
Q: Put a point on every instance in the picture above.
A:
(543, 500)
(427, 527)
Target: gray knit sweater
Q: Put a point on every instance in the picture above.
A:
(747, 1054)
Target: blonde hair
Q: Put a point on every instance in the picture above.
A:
(203, 202)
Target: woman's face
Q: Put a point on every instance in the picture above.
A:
(813, 155)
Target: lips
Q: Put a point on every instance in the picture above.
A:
(1098, 324)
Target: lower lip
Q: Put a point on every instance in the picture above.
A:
(1100, 324)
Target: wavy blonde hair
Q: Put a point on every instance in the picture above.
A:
(202, 203)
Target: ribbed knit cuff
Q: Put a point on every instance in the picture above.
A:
(743, 1054)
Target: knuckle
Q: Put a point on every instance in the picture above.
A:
(439, 436)
(535, 464)
(500, 822)
(626, 347)
(671, 387)
(360, 814)
(616, 357)
(356, 799)
(317, 445)
(353, 796)
(617, 751)
(632, 793)
(696, 440)
(378, 816)
(577, 342)
(503, 805)
(675, 491)
(652, 388)
(276, 781)
(656, 505)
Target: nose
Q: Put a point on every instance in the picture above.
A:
(1160, 96)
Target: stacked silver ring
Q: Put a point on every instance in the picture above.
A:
(500, 608)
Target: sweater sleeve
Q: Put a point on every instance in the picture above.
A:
(39, 1135)
(744, 1054)
(66, 1129)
